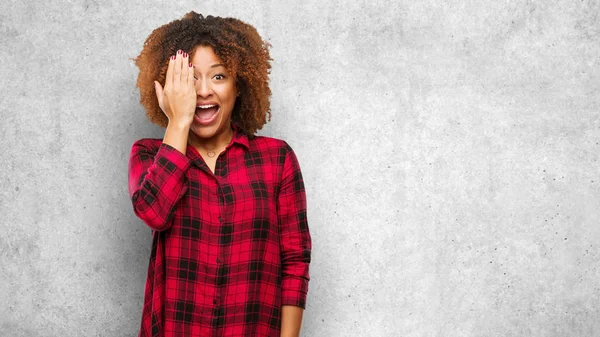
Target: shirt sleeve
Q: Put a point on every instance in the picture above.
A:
(157, 181)
(295, 240)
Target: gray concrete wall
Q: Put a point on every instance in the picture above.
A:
(450, 152)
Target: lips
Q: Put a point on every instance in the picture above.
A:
(206, 115)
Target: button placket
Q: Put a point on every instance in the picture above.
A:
(217, 259)
(221, 218)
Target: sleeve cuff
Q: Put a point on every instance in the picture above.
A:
(293, 291)
(178, 159)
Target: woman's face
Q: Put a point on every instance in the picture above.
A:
(214, 86)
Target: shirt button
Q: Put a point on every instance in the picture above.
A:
(215, 301)
(218, 261)
(220, 219)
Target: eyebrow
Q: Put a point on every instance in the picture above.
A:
(217, 65)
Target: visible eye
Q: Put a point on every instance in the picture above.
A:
(220, 78)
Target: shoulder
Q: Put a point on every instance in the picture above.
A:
(276, 151)
(146, 146)
(148, 142)
(271, 146)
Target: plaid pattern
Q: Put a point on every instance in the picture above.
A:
(229, 248)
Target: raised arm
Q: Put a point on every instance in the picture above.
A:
(157, 177)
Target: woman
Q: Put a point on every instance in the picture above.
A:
(231, 246)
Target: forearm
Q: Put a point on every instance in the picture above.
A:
(291, 320)
(157, 181)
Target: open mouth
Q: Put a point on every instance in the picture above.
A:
(206, 114)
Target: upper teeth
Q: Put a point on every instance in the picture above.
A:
(206, 106)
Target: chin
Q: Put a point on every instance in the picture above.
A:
(207, 131)
(204, 131)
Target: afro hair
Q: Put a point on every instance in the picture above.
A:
(236, 43)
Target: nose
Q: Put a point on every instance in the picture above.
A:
(203, 87)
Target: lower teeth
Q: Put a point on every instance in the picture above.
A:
(208, 117)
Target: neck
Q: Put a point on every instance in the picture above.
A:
(218, 141)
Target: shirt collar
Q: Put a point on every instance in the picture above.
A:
(239, 136)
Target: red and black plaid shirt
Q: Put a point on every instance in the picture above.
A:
(229, 248)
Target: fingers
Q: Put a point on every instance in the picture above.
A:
(179, 84)
(184, 70)
(190, 78)
(177, 70)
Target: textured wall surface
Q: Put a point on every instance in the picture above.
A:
(450, 152)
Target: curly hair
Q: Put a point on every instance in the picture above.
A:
(236, 43)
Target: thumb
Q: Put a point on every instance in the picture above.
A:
(159, 94)
(159, 91)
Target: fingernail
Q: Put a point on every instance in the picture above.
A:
(190, 64)
(179, 51)
(184, 54)
(173, 57)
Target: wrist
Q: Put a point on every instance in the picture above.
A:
(178, 126)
